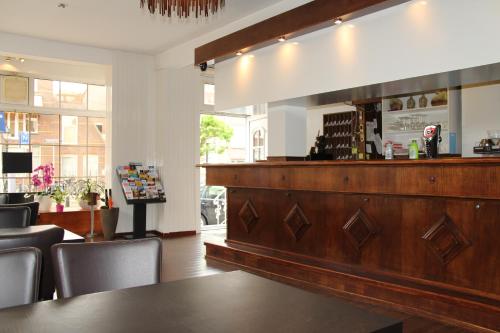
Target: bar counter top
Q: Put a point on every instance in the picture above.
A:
(437, 161)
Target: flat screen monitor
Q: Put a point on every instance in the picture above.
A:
(17, 162)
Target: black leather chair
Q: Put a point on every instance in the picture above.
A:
(4, 198)
(19, 276)
(33, 207)
(41, 239)
(94, 267)
(15, 217)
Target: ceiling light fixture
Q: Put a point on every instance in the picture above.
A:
(22, 60)
(183, 8)
(338, 21)
(62, 5)
(282, 39)
(8, 59)
(239, 53)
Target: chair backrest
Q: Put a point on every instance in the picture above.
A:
(15, 217)
(34, 206)
(4, 198)
(94, 267)
(19, 276)
(42, 240)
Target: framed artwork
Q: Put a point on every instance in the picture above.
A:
(14, 90)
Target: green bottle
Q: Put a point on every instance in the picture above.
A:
(413, 150)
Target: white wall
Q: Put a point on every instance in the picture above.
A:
(404, 41)
(480, 113)
(287, 130)
(133, 124)
(179, 101)
(315, 120)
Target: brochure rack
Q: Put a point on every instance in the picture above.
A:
(140, 185)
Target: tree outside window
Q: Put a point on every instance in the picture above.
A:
(215, 136)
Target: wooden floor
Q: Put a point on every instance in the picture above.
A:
(185, 258)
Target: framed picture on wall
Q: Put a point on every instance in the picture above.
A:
(14, 90)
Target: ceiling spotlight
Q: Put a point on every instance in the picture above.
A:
(62, 5)
(22, 60)
(8, 59)
(282, 39)
(239, 53)
(338, 21)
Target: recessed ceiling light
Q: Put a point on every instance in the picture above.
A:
(239, 53)
(282, 39)
(22, 60)
(8, 59)
(338, 21)
(62, 5)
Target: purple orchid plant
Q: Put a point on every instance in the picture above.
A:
(43, 177)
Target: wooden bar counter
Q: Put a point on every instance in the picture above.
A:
(421, 236)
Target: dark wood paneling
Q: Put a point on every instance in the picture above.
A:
(77, 221)
(419, 234)
(311, 16)
(457, 178)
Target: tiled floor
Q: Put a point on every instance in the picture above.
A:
(185, 258)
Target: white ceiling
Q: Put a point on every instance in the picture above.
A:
(114, 24)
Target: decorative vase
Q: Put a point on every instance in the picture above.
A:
(422, 101)
(109, 220)
(395, 104)
(410, 103)
(45, 203)
(59, 208)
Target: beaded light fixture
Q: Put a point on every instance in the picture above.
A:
(183, 8)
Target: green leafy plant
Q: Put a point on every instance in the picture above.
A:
(58, 195)
(82, 189)
(215, 136)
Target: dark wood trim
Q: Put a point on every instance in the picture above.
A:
(440, 307)
(163, 235)
(312, 16)
(284, 158)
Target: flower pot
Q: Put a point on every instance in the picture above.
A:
(45, 203)
(109, 220)
(59, 208)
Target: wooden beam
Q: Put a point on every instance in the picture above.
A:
(306, 18)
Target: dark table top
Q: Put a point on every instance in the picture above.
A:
(229, 302)
(69, 237)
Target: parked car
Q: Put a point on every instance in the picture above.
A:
(213, 205)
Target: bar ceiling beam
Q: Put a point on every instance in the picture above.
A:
(312, 16)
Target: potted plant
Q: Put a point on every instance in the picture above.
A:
(59, 196)
(87, 191)
(42, 178)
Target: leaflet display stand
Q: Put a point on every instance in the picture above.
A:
(141, 186)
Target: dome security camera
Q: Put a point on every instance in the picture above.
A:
(203, 66)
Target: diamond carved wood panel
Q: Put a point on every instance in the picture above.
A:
(445, 240)
(359, 229)
(248, 216)
(297, 222)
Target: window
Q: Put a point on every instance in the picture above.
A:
(97, 98)
(93, 165)
(258, 145)
(73, 95)
(46, 93)
(209, 94)
(69, 130)
(69, 165)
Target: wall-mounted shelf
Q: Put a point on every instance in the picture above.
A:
(442, 108)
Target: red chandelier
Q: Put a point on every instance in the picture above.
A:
(183, 8)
